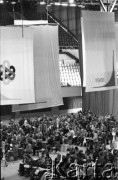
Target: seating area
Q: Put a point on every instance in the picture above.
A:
(70, 74)
(66, 40)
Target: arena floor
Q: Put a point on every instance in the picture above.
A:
(11, 171)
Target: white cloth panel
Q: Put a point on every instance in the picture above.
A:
(46, 64)
(46, 69)
(116, 28)
(17, 51)
(99, 54)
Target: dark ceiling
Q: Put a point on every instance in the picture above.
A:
(81, 3)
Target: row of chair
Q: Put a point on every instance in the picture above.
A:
(70, 74)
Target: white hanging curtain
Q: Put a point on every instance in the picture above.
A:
(46, 69)
(99, 51)
(16, 66)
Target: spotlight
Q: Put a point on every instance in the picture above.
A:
(13, 2)
(1, 1)
(64, 4)
(42, 2)
(71, 1)
(57, 3)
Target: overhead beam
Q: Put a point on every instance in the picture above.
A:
(113, 5)
(103, 6)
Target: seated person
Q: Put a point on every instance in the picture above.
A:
(37, 146)
(50, 143)
(29, 148)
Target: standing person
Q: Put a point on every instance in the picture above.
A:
(95, 137)
(3, 154)
(113, 134)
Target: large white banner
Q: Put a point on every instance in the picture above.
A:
(99, 51)
(116, 28)
(16, 66)
(46, 69)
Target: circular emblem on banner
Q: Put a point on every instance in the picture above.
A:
(7, 72)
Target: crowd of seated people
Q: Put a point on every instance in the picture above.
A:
(43, 134)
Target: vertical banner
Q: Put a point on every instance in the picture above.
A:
(116, 38)
(46, 69)
(16, 66)
(46, 64)
(99, 51)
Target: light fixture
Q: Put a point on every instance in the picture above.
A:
(49, 4)
(1, 1)
(42, 2)
(64, 4)
(57, 3)
(71, 1)
(13, 2)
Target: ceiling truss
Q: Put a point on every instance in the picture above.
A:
(105, 5)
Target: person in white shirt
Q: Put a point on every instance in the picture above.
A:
(95, 137)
